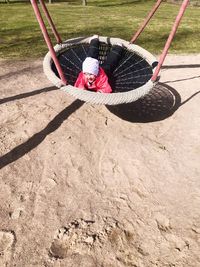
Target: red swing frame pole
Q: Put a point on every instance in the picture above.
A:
(48, 40)
(50, 21)
(170, 38)
(150, 15)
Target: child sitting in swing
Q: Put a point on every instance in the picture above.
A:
(93, 77)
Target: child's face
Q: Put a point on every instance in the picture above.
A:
(90, 77)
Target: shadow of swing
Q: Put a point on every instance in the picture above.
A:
(22, 149)
(27, 94)
(161, 102)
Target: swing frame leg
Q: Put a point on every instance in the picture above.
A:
(171, 35)
(170, 39)
(46, 35)
(142, 27)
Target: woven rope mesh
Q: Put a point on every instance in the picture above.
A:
(132, 72)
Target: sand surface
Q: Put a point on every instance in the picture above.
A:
(95, 186)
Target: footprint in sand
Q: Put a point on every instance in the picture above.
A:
(88, 237)
(7, 242)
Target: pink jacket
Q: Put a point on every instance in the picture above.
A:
(100, 84)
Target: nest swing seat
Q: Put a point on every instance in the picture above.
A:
(130, 80)
(135, 75)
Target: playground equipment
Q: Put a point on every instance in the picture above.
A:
(135, 76)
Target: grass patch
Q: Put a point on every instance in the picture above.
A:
(20, 36)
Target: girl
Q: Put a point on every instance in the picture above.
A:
(93, 77)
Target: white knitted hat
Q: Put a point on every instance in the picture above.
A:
(91, 65)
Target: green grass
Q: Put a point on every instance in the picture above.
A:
(20, 36)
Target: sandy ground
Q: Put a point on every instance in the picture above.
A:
(85, 185)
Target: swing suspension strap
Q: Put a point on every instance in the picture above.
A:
(46, 35)
(171, 35)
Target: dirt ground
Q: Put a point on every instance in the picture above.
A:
(96, 186)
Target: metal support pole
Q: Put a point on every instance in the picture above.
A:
(170, 38)
(150, 15)
(48, 40)
(46, 12)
